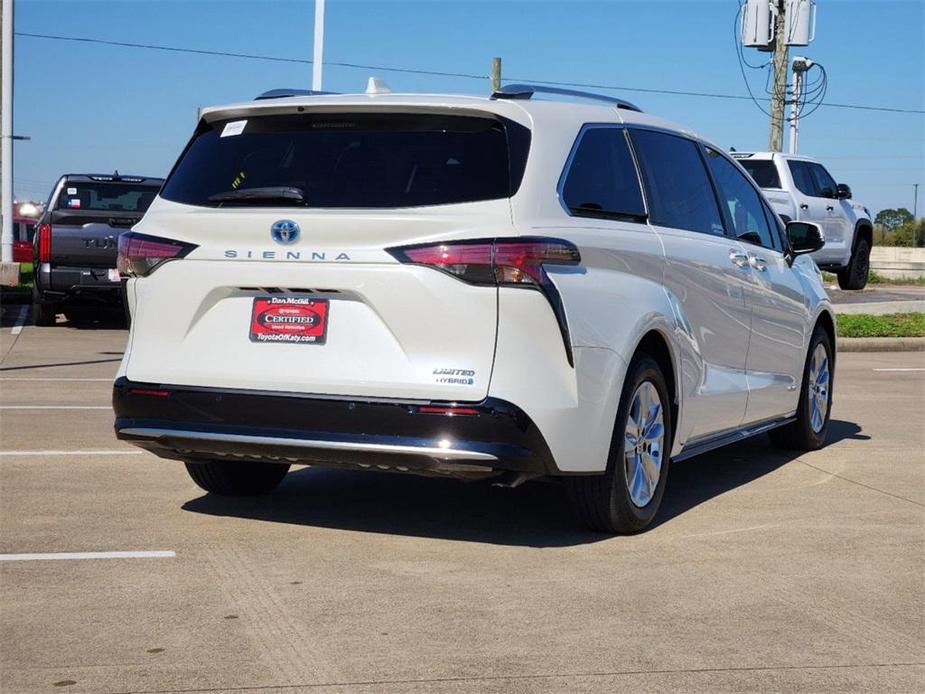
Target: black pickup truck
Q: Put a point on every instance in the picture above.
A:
(74, 251)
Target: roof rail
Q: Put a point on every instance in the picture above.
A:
(526, 91)
(282, 93)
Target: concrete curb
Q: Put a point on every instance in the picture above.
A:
(881, 344)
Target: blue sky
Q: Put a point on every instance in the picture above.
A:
(97, 108)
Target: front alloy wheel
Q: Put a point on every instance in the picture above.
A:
(810, 427)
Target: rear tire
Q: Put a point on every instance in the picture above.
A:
(619, 501)
(854, 277)
(809, 431)
(236, 478)
(43, 314)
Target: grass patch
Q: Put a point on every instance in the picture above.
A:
(25, 275)
(874, 278)
(890, 325)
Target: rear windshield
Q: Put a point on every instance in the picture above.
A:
(350, 160)
(764, 172)
(106, 196)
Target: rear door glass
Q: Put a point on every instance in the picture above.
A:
(803, 178)
(359, 160)
(601, 180)
(102, 196)
(762, 171)
(678, 187)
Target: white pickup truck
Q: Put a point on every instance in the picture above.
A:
(800, 188)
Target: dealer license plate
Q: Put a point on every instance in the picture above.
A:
(289, 319)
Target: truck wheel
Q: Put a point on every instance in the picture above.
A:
(626, 497)
(811, 427)
(235, 477)
(43, 314)
(854, 276)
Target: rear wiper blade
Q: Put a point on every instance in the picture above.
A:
(270, 194)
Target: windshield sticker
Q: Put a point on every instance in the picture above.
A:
(73, 202)
(235, 127)
(72, 191)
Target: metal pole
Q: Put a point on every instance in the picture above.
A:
(318, 58)
(6, 133)
(779, 94)
(495, 75)
(795, 111)
(915, 211)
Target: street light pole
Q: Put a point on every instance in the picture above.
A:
(318, 58)
(6, 134)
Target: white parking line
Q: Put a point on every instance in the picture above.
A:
(20, 320)
(53, 380)
(902, 369)
(49, 453)
(51, 556)
(55, 407)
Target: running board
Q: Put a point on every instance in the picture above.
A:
(701, 447)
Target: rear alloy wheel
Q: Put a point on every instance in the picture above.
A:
(626, 497)
(235, 477)
(854, 277)
(811, 427)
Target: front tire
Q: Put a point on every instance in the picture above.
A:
(626, 497)
(236, 478)
(854, 277)
(809, 431)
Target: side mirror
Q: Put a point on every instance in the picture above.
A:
(843, 192)
(805, 237)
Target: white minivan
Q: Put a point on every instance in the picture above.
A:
(508, 287)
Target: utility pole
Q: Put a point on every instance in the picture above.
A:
(495, 75)
(6, 134)
(779, 93)
(318, 57)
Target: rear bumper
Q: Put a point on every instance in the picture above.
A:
(90, 284)
(192, 423)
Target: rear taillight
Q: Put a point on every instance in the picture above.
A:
(517, 262)
(44, 234)
(139, 254)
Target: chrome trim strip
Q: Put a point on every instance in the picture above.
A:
(698, 447)
(427, 452)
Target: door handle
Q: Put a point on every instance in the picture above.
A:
(830, 208)
(738, 259)
(804, 206)
(760, 264)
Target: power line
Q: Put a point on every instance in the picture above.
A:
(414, 71)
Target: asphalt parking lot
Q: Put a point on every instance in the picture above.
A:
(765, 571)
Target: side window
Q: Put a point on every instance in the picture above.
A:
(677, 185)
(601, 180)
(824, 181)
(803, 178)
(778, 228)
(743, 204)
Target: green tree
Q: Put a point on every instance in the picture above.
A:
(892, 219)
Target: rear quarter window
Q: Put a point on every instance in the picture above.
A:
(353, 160)
(601, 179)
